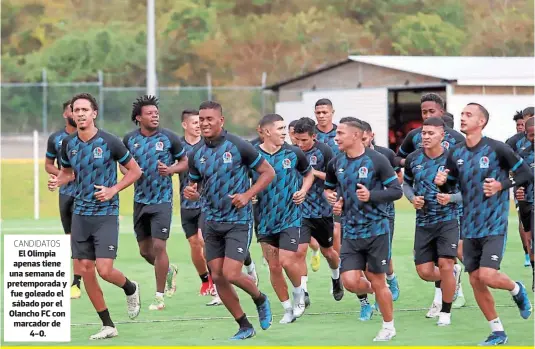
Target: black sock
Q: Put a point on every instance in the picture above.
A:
(244, 322)
(260, 300)
(129, 287)
(532, 264)
(76, 280)
(204, 277)
(363, 298)
(247, 261)
(437, 284)
(446, 307)
(105, 318)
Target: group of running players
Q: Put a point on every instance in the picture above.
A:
(332, 190)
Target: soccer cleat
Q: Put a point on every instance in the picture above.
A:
(495, 338)
(385, 334)
(527, 263)
(205, 289)
(288, 317)
(105, 332)
(459, 302)
(170, 282)
(299, 304)
(307, 300)
(215, 301)
(264, 314)
(244, 333)
(433, 311)
(444, 319)
(315, 263)
(457, 272)
(394, 288)
(366, 312)
(254, 275)
(157, 304)
(75, 292)
(523, 302)
(133, 303)
(338, 289)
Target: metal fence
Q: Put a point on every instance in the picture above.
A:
(33, 106)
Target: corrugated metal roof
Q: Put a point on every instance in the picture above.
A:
(519, 71)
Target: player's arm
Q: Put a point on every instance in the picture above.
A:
(405, 149)
(304, 168)
(252, 159)
(66, 174)
(392, 189)
(408, 181)
(51, 156)
(331, 181)
(447, 180)
(179, 155)
(395, 165)
(510, 161)
(327, 157)
(191, 191)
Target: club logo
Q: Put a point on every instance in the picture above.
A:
(159, 146)
(484, 162)
(494, 257)
(293, 241)
(111, 248)
(313, 160)
(240, 250)
(445, 145)
(60, 142)
(202, 160)
(383, 262)
(74, 152)
(286, 163)
(97, 153)
(441, 169)
(227, 158)
(363, 172)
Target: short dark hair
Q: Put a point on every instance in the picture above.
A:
(432, 97)
(269, 119)
(352, 121)
(66, 104)
(141, 102)
(367, 126)
(528, 111)
(448, 120)
(292, 123)
(211, 105)
(518, 115)
(86, 96)
(483, 111)
(434, 121)
(323, 101)
(305, 125)
(530, 122)
(189, 112)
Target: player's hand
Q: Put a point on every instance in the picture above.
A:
(441, 177)
(104, 193)
(299, 197)
(418, 202)
(338, 206)
(520, 194)
(239, 200)
(331, 197)
(443, 199)
(363, 193)
(52, 182)
(491, 186)
(191, 193)
(163, 169)
(254, 200)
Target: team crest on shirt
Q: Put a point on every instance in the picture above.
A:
(60, 142)
(202, 160)
(227, 158)
(159, 146)
(441, 169)
(313, 160)
(445, 145)
(418, 145)
(97, 153)
(363, 172)
(286, 163)
(484, 162)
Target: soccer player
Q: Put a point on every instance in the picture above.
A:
(481, 167)
(519, 121)
(519, 143)
(432, 105)
(90, 157)
(291, 128)
(366, 184)
(448, 119)
(391, 279)
(437, 215)
(317, 213)
(160, 154)
(280, 213)
(222, 164)
(66, 192)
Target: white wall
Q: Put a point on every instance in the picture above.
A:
(501, 108)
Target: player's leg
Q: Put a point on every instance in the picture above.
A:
(391, 278)
(323, 232)
(426, 261)
(290, 261)
(250, 267)
(523, 236)
(66, 205)
(353, 262)
(142, 231)
(458, 300)
(337, 233)
(301, 255)
(315, 260)
(190, 226)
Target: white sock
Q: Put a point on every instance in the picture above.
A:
(315, 253)
(460, 291)
(391, 276)
(304, 280)
(298, 290)
(515, 290)
(389, 325)
(159, 294)
(287, 305)
(496, 325)
(250, 268)
(215, 292)
(438, 296)
(335, 273)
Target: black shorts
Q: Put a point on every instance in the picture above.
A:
(66, 206)
(435, 241)
(190, 219)
(483, 252)
(228, 240)
(94, 237)
(372, 252)
(337, 219)
(525, 212)
(321, 229)
(288, 239)
(152, 221)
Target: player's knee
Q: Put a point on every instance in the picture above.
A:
(349, 283)
(486, 275)
(474, 279)
(86, 268)
(276, 267)
(424, 272)
(231, 275)
(104, 270)
(158, 247)
(195, 243)
(446, 265)
(378, 284)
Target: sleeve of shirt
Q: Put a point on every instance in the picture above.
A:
(51, 148)
(250, 156)
(511, 142)
(457, 136)
(118, 150)
(126, 138)
(177, 150)
(330, 176)
(407, 146)
(194, 174)
(388, 178)
(408, 176)
(408, 190)
(393, 162)
(327, 152)
(510, 161)
(453, 175)
(65, 162)
(303, 166)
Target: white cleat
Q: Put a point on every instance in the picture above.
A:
(105, 332)
(133, 303)
(385, 334)
(299, 304)
(444, 319)
(254, 275)
(457, 272)
(433, 311)
(288, 317)
(215, 301)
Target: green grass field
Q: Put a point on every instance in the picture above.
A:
(186, 321)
